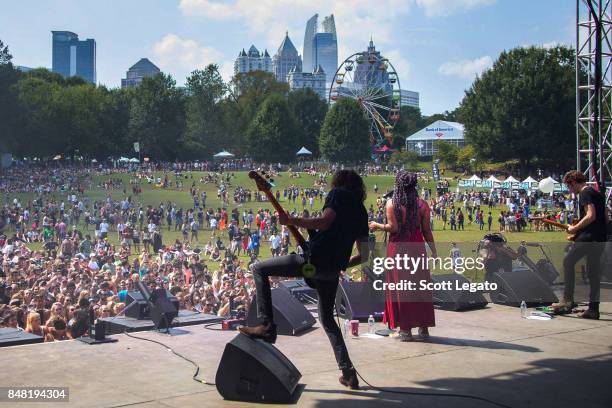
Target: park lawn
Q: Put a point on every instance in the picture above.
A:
(467, 240)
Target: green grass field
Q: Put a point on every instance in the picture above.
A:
(152, 195)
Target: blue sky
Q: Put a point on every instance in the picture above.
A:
(437, 46)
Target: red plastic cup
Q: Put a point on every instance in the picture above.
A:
(355, 328)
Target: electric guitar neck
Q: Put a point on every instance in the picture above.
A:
(265, 186)
(570, 237)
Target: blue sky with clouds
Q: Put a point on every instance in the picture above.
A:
(437, 46)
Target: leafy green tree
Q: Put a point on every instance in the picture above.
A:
(249, 90)
(523, 108)
(271, 137)
(407, 158)
(466, 158)
(9, 127)
(309, 110)
(246, 94)
(157, 117)
(5, 55)
(204, 131)
(345, 133)
(37, 100)
(447, 153)
(45, 75)
(409, 123)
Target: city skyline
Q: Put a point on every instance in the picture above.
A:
(437, 47)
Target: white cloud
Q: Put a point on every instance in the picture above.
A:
(185, 53)
(443, 8)
(206, 8)
(466, 69)
(356, 20)
(179, 56)
(226, 69)
(401, 65)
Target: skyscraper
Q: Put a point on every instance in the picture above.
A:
(253, 61)
(326, 54)
(308, 50)
(409, 98)
(368, 74)
(286, 59)
(329, 25)
(321, 48)
(139, 71)
(72, 57)
(314, 80)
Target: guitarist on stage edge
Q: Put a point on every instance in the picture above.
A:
(343, 223)
(590, 234)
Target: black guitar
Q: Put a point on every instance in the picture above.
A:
(266, 187)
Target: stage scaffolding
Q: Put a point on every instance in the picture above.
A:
(594, 91)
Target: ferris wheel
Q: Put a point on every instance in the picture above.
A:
(370, 79)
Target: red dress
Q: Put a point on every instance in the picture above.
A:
(408, 309)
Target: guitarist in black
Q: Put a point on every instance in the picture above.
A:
(344, 223)
(591, 233)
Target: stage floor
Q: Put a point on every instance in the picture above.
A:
(491, 353)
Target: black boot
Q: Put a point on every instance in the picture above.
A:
(349, 379)
(265, 332)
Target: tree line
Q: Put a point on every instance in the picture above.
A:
(522, 109)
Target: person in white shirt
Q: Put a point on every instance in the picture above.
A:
(104, 229)
(213, 225)
(93, 264)
(275, 242)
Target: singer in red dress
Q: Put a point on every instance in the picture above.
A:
(408, 222)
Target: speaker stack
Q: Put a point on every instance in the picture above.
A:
(290, 316)
(521, 284)
(300, 290)
(359, 300)
(142, 310)
(255, 371)
(456, 300)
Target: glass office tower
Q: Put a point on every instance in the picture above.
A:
(72, 57)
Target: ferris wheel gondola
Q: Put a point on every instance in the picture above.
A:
(371, 80)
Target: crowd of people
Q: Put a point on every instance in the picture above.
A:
(64, 256)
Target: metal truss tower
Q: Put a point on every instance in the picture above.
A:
(594, 91)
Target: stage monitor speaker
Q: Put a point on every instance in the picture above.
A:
(359, 300)
(163, 310)
(453, 299)
(521, 284)
(142, 312)
(255, 371)
(290, 316)
(300, 290)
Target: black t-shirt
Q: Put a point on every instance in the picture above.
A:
(595, 231)
(331, 249)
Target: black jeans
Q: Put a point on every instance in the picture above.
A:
(592, 251)
(291, 266)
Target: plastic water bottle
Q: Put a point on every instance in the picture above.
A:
(523, 309)
(347, 325)
(371, 324)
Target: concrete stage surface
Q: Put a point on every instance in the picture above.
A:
(491, 353)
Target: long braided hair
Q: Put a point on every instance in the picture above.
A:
(405, 195)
